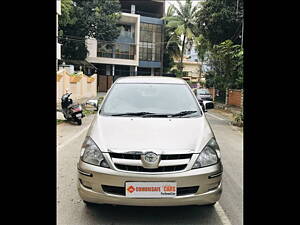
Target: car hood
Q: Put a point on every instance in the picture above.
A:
(160, 135)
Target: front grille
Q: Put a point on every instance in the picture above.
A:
(181, 191)
(179, 156)
(138, 156)
(142, 169)
(125, 156)
(133, 162)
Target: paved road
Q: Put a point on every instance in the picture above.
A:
(72, 211)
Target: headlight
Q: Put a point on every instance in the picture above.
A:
(90, 153)
(210, 155)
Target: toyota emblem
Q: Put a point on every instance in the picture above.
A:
(151, 157)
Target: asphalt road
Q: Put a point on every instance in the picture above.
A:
(72, 211)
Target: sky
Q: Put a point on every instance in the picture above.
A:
(168, 2)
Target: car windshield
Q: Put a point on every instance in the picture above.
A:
(142, 99)
(203, 92)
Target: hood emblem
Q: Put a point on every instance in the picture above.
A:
(150, 160)
(151, 157)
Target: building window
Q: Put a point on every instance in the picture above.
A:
(143, 71)
(104, 50)
(157, 72)
(150, 42)
(116, 50)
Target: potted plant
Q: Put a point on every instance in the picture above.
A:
(90, 79)
(74, 78)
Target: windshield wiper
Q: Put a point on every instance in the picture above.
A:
(132, 114)
(183, 113)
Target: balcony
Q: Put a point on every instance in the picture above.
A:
(143, 13)
(116, 50)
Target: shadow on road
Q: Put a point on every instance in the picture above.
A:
(132, 215)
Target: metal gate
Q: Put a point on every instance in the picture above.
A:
(220, 96)
(104, 83)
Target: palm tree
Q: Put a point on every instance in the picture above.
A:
(172, 39)
(181, 22)
(171, 44)
(202, 46)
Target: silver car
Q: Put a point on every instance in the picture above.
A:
(150, 145)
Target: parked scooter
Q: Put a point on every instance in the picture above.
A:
(72, 112)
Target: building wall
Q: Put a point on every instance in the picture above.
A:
(192, 69)
(234, 97)
(58, 46)
(126, 18)
(85, 87)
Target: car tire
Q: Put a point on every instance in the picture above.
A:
(89, 204)
(211, 204)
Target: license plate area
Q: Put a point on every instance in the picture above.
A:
(151, 189)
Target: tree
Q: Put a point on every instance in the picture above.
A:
(90, 18)
(202, 47)
(67, 10)
(219, 32)
(182, 24)
(171, 44)
(226, 61)
(220, 20)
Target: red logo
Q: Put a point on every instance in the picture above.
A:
(131, 189)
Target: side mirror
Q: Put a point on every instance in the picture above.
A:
(209, 105)
(93, 103)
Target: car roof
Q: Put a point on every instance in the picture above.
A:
(150, 79)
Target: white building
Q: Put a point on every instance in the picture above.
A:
(139, 48)
(58, 46)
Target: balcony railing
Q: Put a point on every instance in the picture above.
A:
(116, 50)
(143, 13)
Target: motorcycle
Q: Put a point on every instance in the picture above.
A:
(72, 112)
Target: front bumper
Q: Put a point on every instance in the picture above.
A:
(93, 177)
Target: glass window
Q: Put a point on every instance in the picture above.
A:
(157, 72)
(151, 33)
(203, 92)
(104, 50)
(149, 53)
(157, 37)
(149, 36)
(151, 27)
(154, 98)
(158, 28)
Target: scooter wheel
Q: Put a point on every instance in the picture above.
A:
(79, 122)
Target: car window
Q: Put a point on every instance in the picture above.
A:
(202, 92)
(154, 98)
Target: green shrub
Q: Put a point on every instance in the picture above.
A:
(239, 119)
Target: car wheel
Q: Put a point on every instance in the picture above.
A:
(89, 204)
(211, 204)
